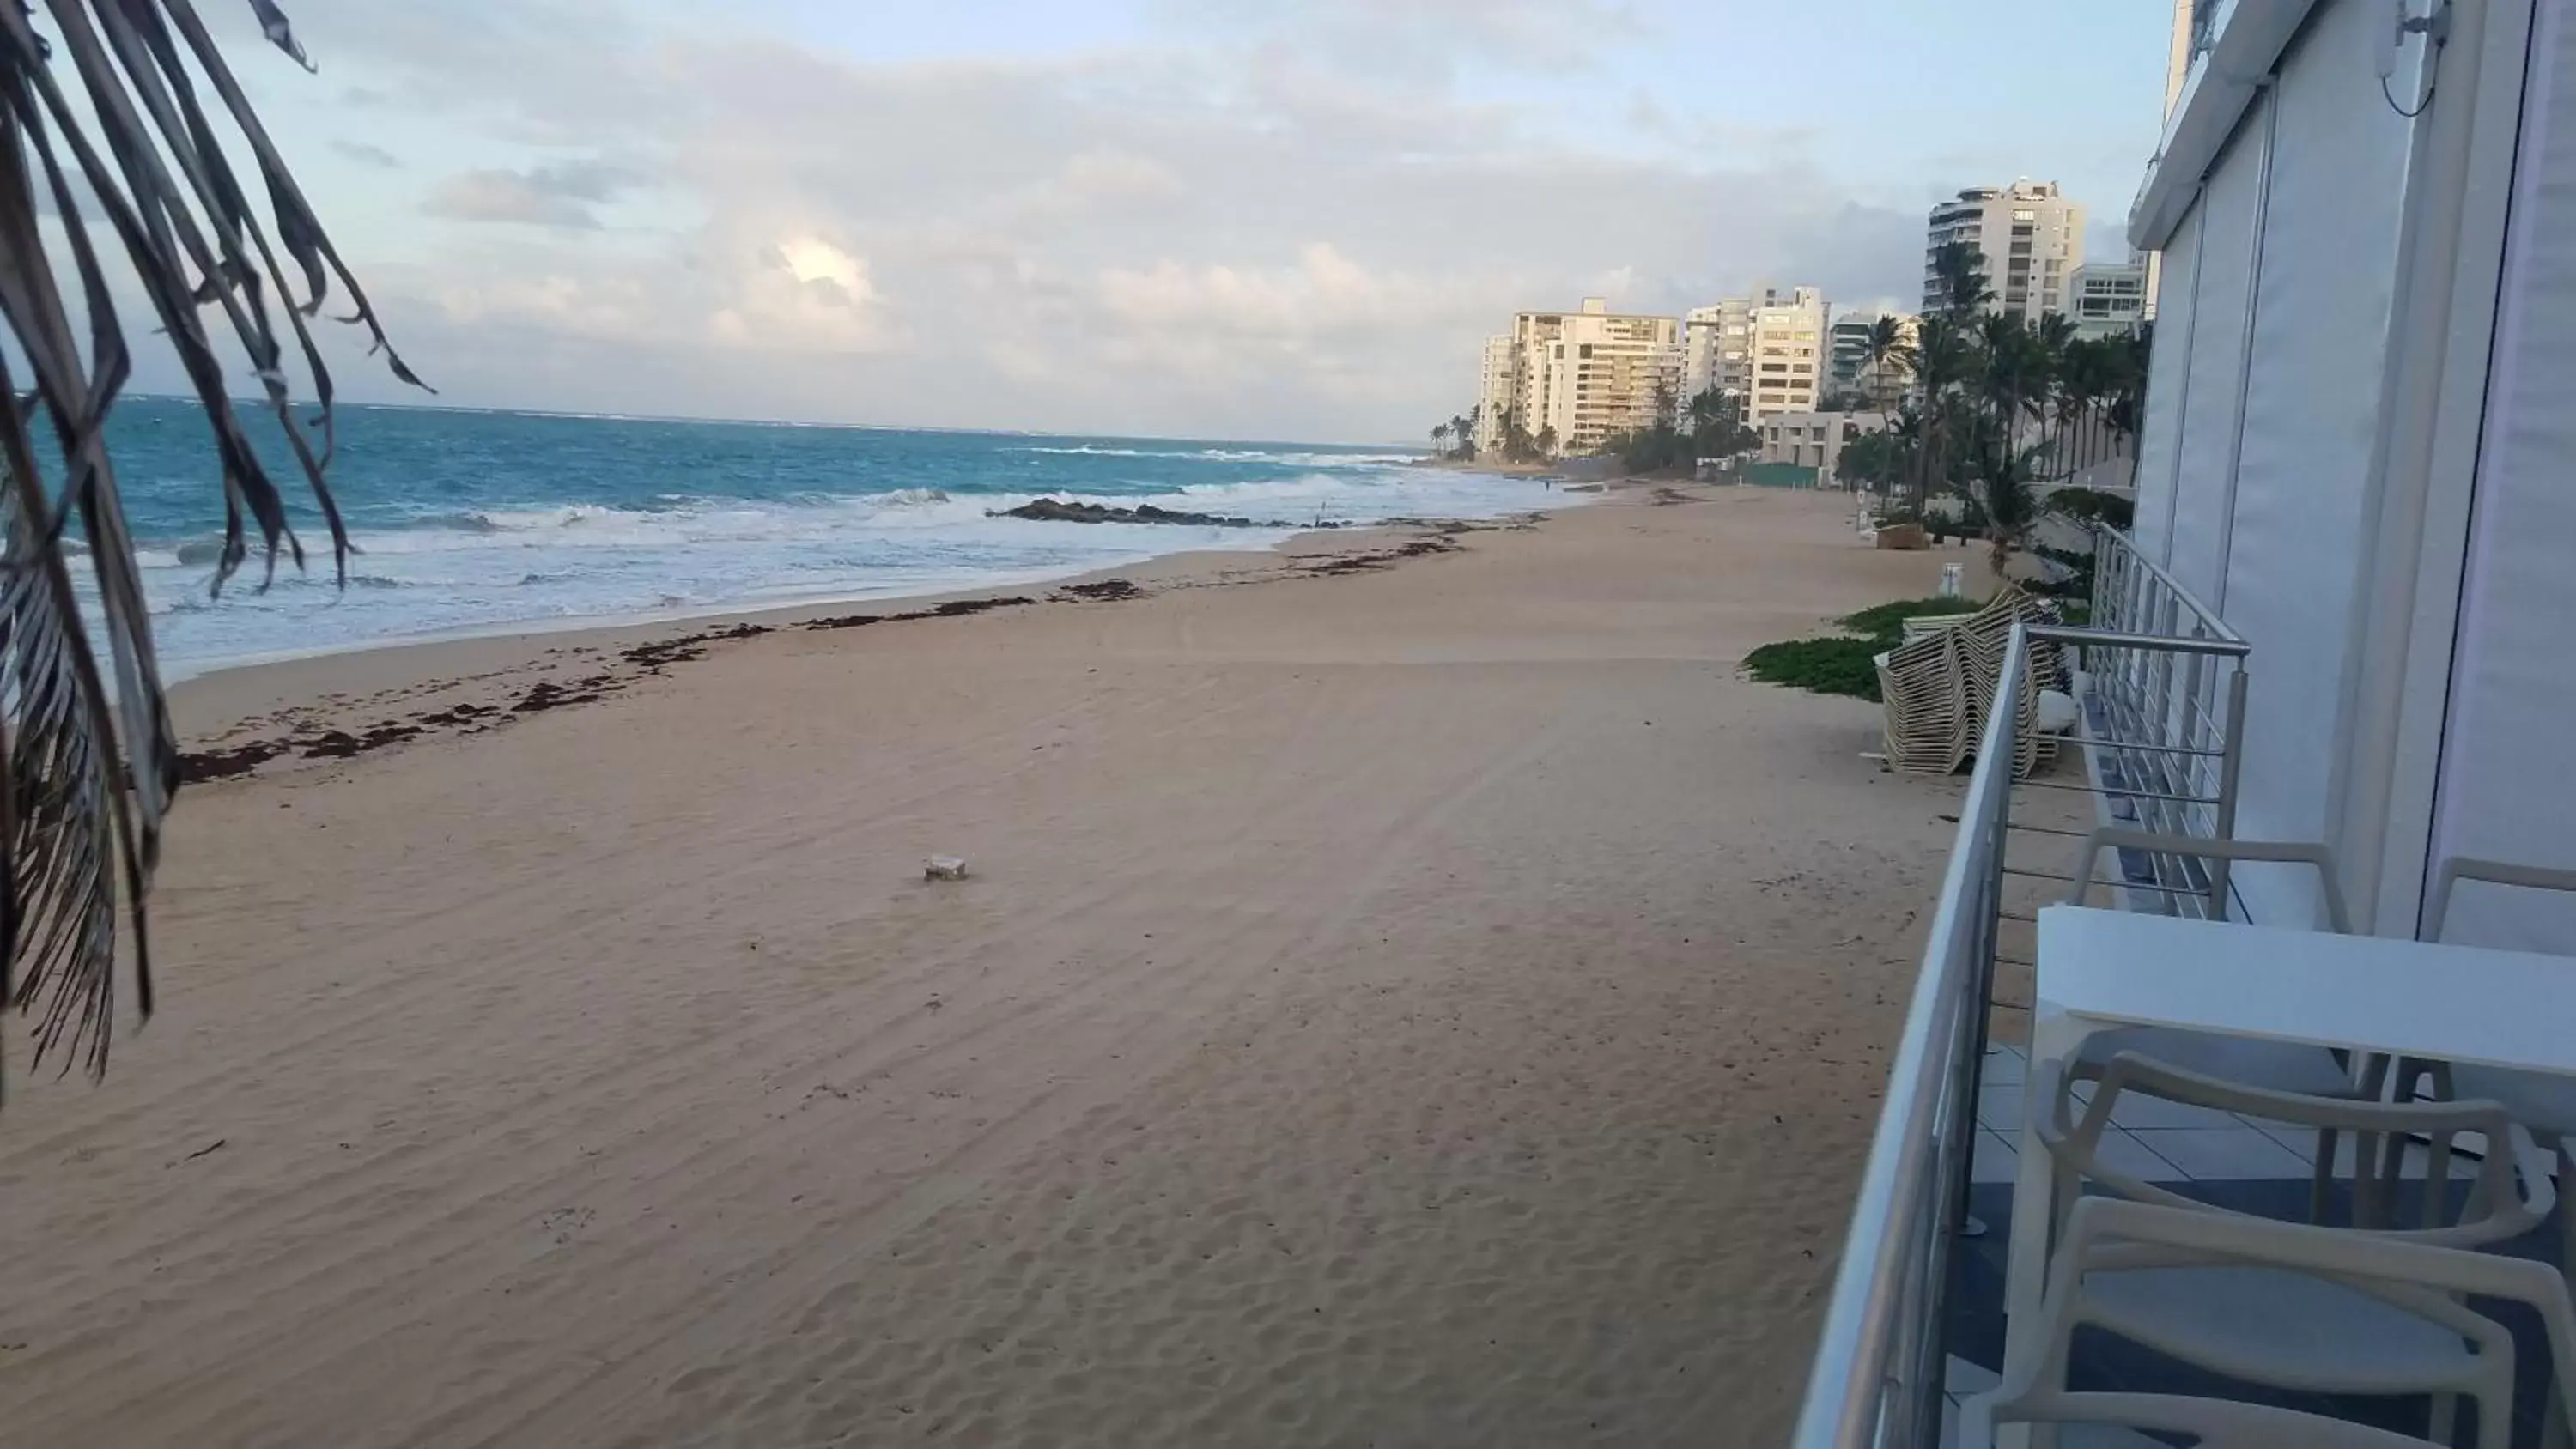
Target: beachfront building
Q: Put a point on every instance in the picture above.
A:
(2341, 622)
(1716, 344)
(1815, 440)
(2032, 238)
(1494, 393)
(1848, 369)
(1786, 346)
(1584, 377)
(1719, 341)
(2107, 299)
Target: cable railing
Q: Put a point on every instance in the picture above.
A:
(2150, 730)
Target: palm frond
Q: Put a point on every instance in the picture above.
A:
(91, 762)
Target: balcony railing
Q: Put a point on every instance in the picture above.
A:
(2161, 684)
(1879, 1363)
(2163, 719)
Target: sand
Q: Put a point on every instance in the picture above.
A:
(1438, 1002)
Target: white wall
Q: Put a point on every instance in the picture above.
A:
(2160, 430)
(2506, 788)
(2294, 537)
(2222, 285)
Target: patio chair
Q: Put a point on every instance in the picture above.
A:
(2503, 1203)
(2546, 1105)
(1925, 699)
(1984, 639)
(2270, 1066)
(2367, 1307)
(1922, 624)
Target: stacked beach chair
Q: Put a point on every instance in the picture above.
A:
(1923, 683)
(1940, 684)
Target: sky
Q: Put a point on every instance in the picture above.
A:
(1198, 218)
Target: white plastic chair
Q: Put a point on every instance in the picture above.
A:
(2504, 1203)
(2545, 1104)
(2185, 1258)
(2270, 1066)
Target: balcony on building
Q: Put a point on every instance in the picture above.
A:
(2306, 810)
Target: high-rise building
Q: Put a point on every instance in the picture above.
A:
(2107, 299)
(1785, 355)
(1494, 393)
(1718, 341)
(2032, 239)
(1578, 379)
(1609, 374)
(1849, 370)
(1715, 343)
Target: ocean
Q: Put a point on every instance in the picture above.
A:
(481, 522)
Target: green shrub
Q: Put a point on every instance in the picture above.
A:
(1846, 663)
(1834, 665)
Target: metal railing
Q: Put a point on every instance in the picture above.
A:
(1877, 1378)
(2164, 714)
(1878, 1370)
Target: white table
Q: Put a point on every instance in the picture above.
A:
(2102, 969)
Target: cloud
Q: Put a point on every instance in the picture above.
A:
(557, 194)
(1231, 235)
(367, 155)
(1549, 33)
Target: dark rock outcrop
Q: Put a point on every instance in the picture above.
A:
(1048, 510)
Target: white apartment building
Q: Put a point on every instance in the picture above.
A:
(1716, 343)
(2107, 299)
(1721, 350)
(2032, 238)
(1589, 375)
(1787, 355)
(1493, 392)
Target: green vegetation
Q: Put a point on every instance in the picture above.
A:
(1846, 663)
(1711, 427)
(1998, 404)
(1837, 664)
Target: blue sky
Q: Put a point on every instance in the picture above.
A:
(1207, 217)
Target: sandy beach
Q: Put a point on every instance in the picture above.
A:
(1410, 991)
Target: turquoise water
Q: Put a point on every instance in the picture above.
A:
(483, 521)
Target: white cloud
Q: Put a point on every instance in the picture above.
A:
(1235, 235)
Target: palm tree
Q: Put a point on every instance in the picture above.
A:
(91, 760)
(1940, 359)
(1440, 440)
(2011, 506)
(1884, 347)
(1959, 270)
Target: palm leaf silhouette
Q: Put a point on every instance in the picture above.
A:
(90, 762)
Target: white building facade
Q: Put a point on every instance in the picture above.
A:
(2107, 299)
(1574, 380)
(1494, 393)
(1787, 355)
(2032, 238)
(1816, 440)
(2355, 439)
